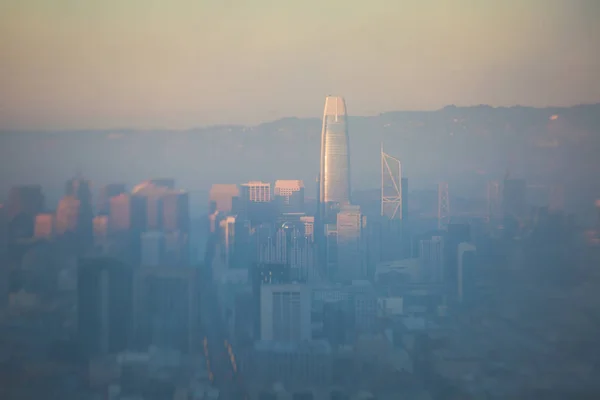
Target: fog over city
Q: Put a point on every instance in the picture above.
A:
(299, 200)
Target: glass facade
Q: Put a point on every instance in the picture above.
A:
(335, 155)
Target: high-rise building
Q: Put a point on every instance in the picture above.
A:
(256, 192)
(166, 308)
(106, 193)
(28, 200)
(100, 232)
(255, 203)
(78, 204)
(67, 215)
(350, 264)
(24, 203)
(44, 226)
(176, 225)
(176, 211)
(105, 290)
(222, 195)
(431, 259)
(289, 195)
(265, 274)
(334, 174)
(153, 249)
(309, 226)
(119, 213)
(285, 313)
(457, 233)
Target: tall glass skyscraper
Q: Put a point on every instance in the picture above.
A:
(334, 189)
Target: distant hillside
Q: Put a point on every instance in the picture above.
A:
(464, 145)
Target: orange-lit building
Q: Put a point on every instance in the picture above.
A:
(119, 213)
(222, 196)
(44, 226)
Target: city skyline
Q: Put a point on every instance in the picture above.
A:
(109, 65)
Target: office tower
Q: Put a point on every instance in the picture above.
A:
(27, 200)
(404, 185)
(106, 193)
(152, 249)
(119, 213)
(166, 308)
(514, 197)
(289, 196)
(329, 266)
(270, 244)
(334, 173)
(227, 240)
(44, 226)
(265, 274)
(79, 190)
(104, 291)
(153, 195)
(349, 244)
(309, 226)
(24, 203)
(431, 259)
(176, 225)
(256, 192)
(391, 187)
(466, 273)
(222, 195)
(285, 313)
(67, 215)
(100, 223)
(457, 233)
(255, 203)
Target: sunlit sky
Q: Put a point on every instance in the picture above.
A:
(68, 64)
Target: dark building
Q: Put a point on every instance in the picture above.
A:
(104, 308)
(24, 203)
(106, 193)
(27, 200)
(176, 225)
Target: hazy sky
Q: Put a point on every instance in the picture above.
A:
(182, 63)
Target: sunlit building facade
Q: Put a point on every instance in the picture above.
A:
(334, 187)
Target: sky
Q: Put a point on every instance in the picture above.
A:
(101, 64)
